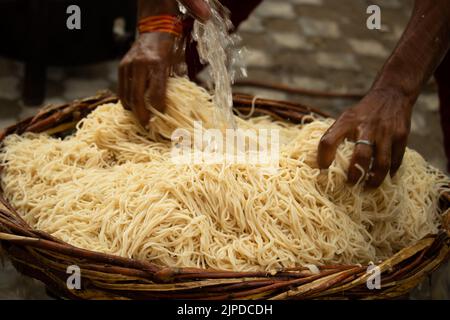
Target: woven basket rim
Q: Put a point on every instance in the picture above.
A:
(22, 242)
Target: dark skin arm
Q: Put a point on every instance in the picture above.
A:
(383, 116)
(144, 70)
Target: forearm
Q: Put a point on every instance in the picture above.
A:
(156, 7)
(420, 50)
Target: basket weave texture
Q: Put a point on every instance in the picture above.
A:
(41, 256)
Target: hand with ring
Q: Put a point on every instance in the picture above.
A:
(379, 125)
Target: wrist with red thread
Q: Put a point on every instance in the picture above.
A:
(161, 23)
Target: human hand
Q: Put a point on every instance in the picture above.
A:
(144, 70)
(383, 118)
(143, 74)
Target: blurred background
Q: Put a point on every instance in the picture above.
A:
(311, 44)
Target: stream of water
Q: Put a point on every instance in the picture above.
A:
(221, 50)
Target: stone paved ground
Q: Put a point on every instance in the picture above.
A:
(315, 44)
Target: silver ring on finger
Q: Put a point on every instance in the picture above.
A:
(365, 142)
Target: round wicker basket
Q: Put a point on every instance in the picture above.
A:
(41, 256)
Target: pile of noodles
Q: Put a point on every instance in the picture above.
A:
(112, 187)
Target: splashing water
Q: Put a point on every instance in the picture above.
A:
(221, 51)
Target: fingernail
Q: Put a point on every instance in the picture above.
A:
(204, 12)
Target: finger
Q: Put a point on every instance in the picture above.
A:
(127, 87)
(199, 9)
(329, 143)
(398, 151)
(157, 86)
(121, 87)
(360, 162)
(381, 162)
(139, 86)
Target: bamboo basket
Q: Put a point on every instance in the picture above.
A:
(41, 256)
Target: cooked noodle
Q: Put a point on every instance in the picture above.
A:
(111, 187)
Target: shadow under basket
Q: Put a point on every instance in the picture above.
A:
(41, 256)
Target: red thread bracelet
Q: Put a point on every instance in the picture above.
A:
(163, 23)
